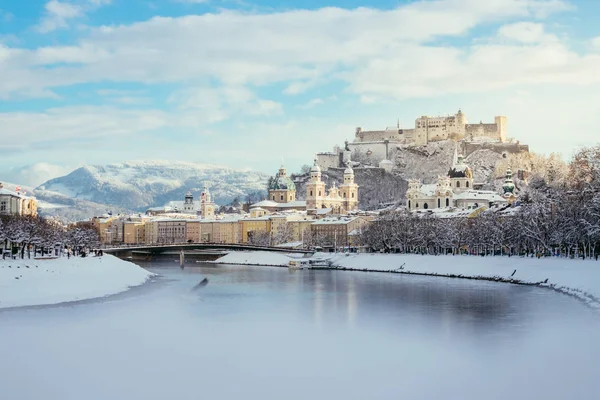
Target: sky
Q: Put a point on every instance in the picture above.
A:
(248, 84)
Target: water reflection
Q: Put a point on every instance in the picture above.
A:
(336, 296)
(270, 333)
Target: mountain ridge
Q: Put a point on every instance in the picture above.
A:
(139, 184)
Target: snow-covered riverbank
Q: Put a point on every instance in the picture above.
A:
(574, 277)
(32, 282)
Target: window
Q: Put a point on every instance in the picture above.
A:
(352, 194)
(439, 203)
(319, 192)
(447, 202)
(457, 184)
(409, 204)
(3, 206)
(273, 197)
(281, 197)
(417, 205)
(311, 192)
(467, 183)
(426, 206)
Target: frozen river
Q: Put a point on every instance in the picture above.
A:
(270, 333)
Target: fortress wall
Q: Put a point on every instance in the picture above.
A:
(377, 149)
(328, 160)
(374, 136)
(483, 130)
(500, 148)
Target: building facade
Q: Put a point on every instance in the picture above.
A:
(335, 232)
(16, 203)
(456, 190)
(171, 231)
(340, 200)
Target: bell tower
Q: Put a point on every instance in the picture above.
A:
(207, 206)
(349, 190)
(188, 203)
(315, 189)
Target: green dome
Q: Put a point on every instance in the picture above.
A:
(282, 183)
(509, 186)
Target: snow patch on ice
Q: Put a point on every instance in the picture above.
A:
(31, 282)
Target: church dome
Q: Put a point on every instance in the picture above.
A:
(509, 186)
(315, 168)
(348, 170)
(460, 169)
(282, 183)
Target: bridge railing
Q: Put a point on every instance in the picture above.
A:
(205, 245)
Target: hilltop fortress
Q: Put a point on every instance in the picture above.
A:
(433, 129)
(376, 148)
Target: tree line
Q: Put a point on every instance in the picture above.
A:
(24, 236)
(554, 217)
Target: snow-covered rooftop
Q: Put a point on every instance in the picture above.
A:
(323, 211)
(428, 190)
(7, 192)
(486, 195)
(334, 221)
(264, 203)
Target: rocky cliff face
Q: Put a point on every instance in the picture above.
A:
(376, 187)
(435, 159)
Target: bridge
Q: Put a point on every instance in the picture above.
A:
(206, 250)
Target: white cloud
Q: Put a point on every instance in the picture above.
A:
(52, 127)
(217, 104)
(428, 71)
(35, 174)
(312, 103)
(58, 14)
(374, 56)
(524, 32)
(298, 47)
(596, 43)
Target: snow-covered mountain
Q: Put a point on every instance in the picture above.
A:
(137, 185)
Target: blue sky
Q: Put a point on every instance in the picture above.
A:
(247, 83)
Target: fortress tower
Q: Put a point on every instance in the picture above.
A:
(501, 124)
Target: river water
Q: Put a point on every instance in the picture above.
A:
(270, 333)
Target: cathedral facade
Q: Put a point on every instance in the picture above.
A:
(456, 190)
(340, 200)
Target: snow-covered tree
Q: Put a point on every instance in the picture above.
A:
(284, 234)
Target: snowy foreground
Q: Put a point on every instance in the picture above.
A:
(32, 282)
(578, 278)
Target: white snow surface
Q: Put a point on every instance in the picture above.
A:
(574, 277)
(53, 281)
(267, 258)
